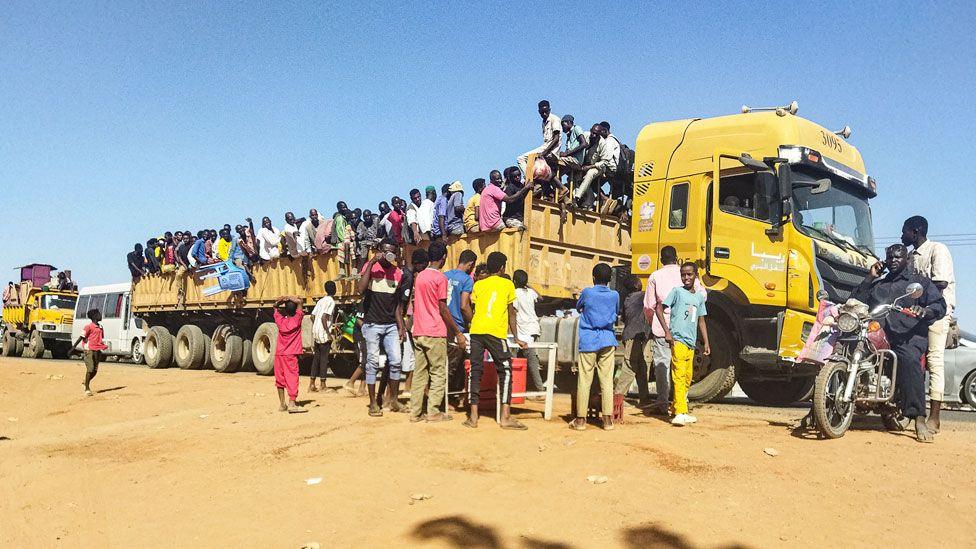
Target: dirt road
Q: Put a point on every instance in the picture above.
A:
(200, 459)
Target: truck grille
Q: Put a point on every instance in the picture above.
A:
(839, 278)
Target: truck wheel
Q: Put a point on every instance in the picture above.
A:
(136, 355)
(343, 364)
(158, 348)
(247, 361)
(61, 350)
(227, 350)
(19, 349)
(775, 392)
(207, 346)
(832, 416)
(263, 348)
(190, 348)
(714, 375)
(9, 344)
(35, 346)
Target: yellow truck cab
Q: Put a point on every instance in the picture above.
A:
(37, 319)
(774, 210)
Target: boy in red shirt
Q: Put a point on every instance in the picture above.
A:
(92, 336)
(288, 317)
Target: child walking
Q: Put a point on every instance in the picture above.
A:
(92, 336)
(687, 304)
(288, 317)
(598, 306)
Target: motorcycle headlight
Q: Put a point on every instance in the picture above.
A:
(847, 323)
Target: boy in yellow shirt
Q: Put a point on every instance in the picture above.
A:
(494, 318)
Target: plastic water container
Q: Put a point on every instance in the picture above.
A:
(489, 380)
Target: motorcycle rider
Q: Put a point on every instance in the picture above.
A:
(907, 333)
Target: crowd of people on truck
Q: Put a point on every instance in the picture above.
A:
(588, 172)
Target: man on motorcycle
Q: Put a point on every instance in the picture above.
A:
(907, 331)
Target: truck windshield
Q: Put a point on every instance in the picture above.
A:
(53, 302)
(840, 215)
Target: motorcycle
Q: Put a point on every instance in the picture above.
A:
(859, 373)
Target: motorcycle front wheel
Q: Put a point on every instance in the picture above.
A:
(832, 414)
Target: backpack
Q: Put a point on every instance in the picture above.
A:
(625, 164)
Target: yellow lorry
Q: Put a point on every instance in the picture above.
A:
(36, 318)
(773, 207)
(230, 332)
(774, 210)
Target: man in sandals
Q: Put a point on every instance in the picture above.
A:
(494, 318)
(432, 323)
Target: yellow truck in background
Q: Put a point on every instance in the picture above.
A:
(774, 210)
(37, 318)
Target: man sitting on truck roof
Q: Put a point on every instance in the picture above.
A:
(514, 216)
(306, 233)
(571, 159)
(550, 137)
(600, 165)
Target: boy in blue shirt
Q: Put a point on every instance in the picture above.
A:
(687, 317)
(598, 306)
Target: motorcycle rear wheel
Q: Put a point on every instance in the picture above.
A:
(833, 417)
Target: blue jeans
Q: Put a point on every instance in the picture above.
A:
(388, 334)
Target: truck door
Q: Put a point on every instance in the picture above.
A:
(683, 218)
(741, 249)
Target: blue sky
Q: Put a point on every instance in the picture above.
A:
(120, 120)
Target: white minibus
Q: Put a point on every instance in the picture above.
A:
(124, 333)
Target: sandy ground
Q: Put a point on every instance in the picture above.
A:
(200, 459)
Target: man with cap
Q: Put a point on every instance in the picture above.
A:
(571, 159)
(550, 138)
(451, 218)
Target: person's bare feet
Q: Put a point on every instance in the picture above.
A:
(578, 424)
(608, 423)
(375, 411)
(312, 388)
(932, 425)
(472, 423)
(397, 408)
(922, 433)
(439, 417)
(351, 387)
(282, 408)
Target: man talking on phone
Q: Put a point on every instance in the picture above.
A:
(908, 332)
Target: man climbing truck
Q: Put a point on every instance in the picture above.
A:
(774, 209)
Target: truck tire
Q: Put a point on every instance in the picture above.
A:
(968, 392)
(19, 349)
(247, 361)
(158, 348)
(9, 344)
(61, 350)
(35, 346)
(227, 350)
(207, 346)
(343, 364)
(715, 374)
(776, 392)
(189, 349)
(263, 348)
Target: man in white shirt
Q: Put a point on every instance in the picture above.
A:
(527, 323)
(601, 164)
(306, 233)
(268, 238)
(550, 138)
(290, 234)
(323, 317)
(420, 216)
(932, 259)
